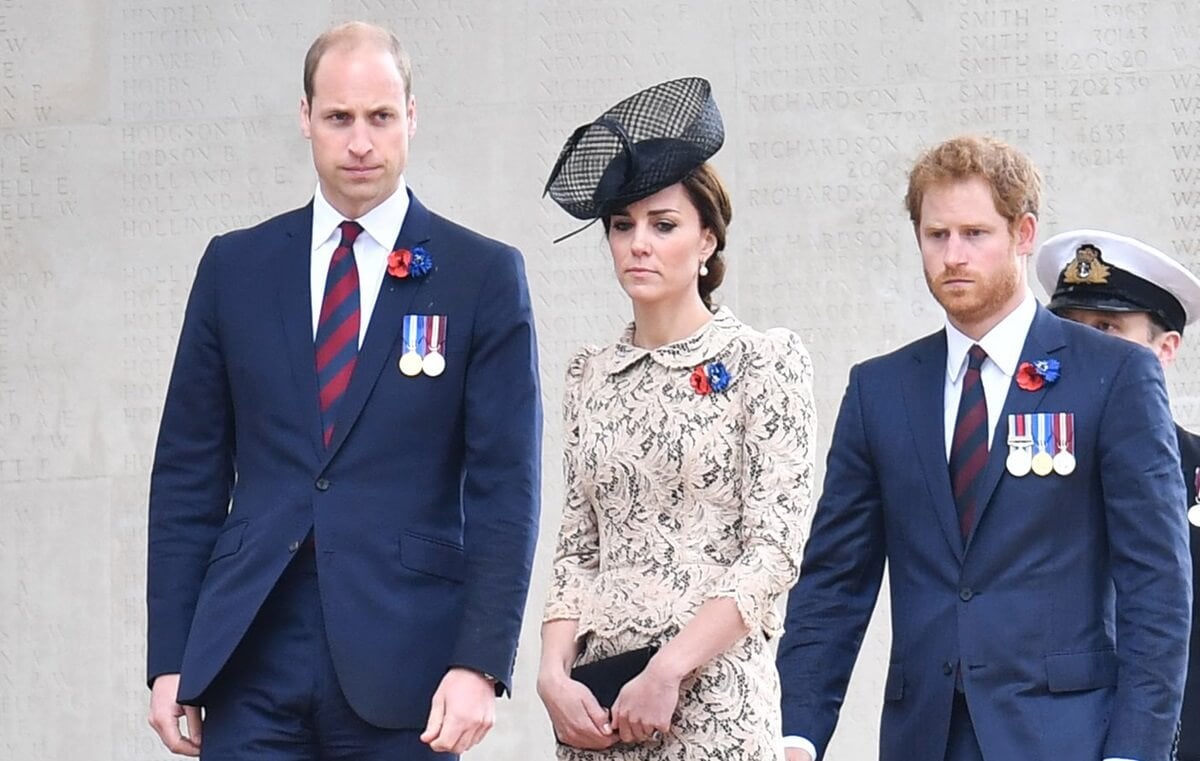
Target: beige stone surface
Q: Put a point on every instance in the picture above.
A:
(130, 132)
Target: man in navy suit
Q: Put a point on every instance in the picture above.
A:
(1019, 475)
(344, 501)
(1127, 288)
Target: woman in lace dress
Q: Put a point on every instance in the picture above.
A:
(688, 466)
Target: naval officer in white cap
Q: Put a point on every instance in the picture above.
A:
(1125, 287)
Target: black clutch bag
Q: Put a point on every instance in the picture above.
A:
(607, 676)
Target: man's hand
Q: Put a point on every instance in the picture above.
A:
(462, 712)
(579, 721)
(796, 754)
(165, 713)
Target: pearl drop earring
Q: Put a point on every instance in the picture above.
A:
(703, 270)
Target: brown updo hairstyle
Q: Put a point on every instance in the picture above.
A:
(711, 199)
(707, 193)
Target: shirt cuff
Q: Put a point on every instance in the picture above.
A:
(803, 743)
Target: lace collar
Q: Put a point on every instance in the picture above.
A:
(688, 352)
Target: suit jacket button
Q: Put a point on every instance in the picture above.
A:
(293, 546)
(965, 594)
(947, 668)
(322, 484)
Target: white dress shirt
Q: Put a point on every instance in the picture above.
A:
(1003, 345)
(381, 225)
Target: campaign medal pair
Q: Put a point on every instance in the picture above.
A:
(424, 345)
(1041, 443)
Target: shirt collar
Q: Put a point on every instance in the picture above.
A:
(382, 223)
(688, 352)
(1003, 343)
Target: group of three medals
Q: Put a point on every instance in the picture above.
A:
(1041, 443)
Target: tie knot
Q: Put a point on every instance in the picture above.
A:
(975, 357)
(350, 231)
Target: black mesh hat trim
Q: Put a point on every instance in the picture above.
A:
(645, 143)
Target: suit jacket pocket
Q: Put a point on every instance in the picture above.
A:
(893, 689)
(229, 541)
(432, 556)
(1072, 672)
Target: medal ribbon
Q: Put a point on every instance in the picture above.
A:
(1043, 432)
(426, 334)
(1016, 430)
(437, 333)
(410, 333)
(1065, 433)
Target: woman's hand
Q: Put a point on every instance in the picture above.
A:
(579, 721)
(647, 704)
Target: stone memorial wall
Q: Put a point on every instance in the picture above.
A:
(132, 131)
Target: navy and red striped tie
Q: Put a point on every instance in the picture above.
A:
(969, 449)
(337, 329)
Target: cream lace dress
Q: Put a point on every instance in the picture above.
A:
(674, 497)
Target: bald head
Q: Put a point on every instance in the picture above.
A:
(352, 35)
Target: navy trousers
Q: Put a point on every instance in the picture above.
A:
(278, 698)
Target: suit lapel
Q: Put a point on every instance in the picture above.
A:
(1044, 339)
(924, 395)
(295, 307)
(395, 297)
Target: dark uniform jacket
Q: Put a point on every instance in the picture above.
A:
(1189, 738)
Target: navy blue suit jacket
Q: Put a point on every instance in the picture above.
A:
(1067, 608)
(425, 506)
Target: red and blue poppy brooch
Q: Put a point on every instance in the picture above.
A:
(709, 378)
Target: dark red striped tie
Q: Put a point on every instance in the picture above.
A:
(337, 328)
(969, 450)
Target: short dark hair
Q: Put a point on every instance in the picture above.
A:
(1157, 326)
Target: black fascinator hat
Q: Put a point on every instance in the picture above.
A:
(645, 143)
